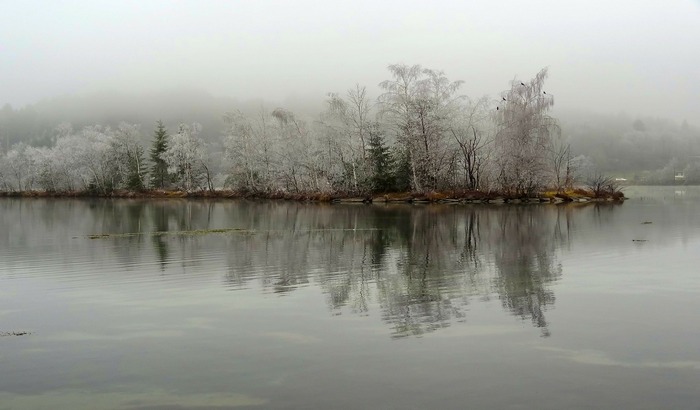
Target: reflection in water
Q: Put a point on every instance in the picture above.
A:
(525, 262)
(160, 224)
(422, 266)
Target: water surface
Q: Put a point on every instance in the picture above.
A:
(138, 304)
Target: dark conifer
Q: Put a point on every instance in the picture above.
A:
(382, 178)
(159, 171)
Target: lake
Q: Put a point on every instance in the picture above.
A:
(199, 304)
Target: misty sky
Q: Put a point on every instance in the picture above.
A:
(641, 57)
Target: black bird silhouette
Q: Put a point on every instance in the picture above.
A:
(545, 92)
(522, 83)
(504, 98)
(496, 108)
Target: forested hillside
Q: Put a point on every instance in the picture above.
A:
(646, 150)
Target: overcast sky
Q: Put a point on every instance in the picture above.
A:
(641, 57)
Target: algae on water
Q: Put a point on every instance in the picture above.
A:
(207, 232)
(173, 233)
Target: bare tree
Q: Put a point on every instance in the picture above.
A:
(524, 135)
(561, 163)
(471, 136)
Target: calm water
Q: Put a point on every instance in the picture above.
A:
(318, 306)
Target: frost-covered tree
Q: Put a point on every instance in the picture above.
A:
(348, 121)
(127, 153)
(275, 151)
(185, 156)
(424, 136)
(19, 168)
(296, 167)
(396, 107)
(66, 162)
(47, 169)
(419, 105)
(524, 135)
(95, 155)
(247, 152)
(4, 183)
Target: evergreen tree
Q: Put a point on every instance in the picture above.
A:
(403, 174)
(382, 178)
(159, 171)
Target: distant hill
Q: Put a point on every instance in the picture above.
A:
(34, 124)
(629, 145)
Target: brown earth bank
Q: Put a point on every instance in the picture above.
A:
(575, 195)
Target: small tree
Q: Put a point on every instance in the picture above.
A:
(602, 185)
(159, 170)
(562, 166)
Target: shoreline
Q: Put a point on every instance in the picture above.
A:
(445, 197)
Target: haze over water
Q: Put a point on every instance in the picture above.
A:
(140, 305)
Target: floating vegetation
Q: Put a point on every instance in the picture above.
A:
(198, 232)
(21, 333)
(173, 233)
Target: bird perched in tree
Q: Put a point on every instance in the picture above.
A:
(504, 98)
(496, 108)
(544, 92)
(522, 83)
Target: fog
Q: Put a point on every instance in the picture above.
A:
(636, 57)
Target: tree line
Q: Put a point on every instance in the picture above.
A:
(420, 134)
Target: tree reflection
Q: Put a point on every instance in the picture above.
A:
(418, 267)
(524, 256)
(424, 291)
(160, 216)
(421, 266)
